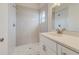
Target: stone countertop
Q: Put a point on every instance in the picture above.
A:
(66, 40)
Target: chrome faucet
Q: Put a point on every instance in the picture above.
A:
(60, 29)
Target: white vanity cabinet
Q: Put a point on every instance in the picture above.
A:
(50, 47)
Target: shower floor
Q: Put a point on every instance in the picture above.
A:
(30, 49)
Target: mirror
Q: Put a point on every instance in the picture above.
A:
(66, 15)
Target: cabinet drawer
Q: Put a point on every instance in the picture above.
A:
(45, 50)
(66, 51)
(50, 51)
(49, 43)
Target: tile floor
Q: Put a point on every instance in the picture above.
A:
(30, 49)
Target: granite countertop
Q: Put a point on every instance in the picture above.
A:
(66, 39)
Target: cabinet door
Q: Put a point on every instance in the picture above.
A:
(66, 51)
(59, 49)
(45, 50)
(42, 48)
(50, 51)
(48, 46)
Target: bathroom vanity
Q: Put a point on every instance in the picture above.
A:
(52, 43)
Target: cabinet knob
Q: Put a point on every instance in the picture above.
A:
(1, 39)
(44, 47)
(64, 53)
(14, 25)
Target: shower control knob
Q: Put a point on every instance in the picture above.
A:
(1, 39)
(14, 25)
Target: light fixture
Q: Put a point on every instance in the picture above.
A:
(57, 4)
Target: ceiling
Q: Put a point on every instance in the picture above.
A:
(30, 5)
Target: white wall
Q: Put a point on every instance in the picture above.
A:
(4, 28)
(11, 28)
(50, 18)
(7, 16)
(27, 25)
